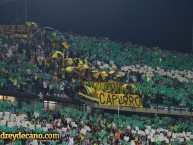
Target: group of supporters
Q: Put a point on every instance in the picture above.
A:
(28, 66)
(96, 128)
(166, 75)
(20, 72)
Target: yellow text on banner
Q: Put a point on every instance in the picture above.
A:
(102, 85)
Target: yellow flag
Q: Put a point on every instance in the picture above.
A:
(65, 45)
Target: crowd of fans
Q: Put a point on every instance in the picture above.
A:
(28, 66)
(22, 71)
(173, 86)
(129, 54)
(96, 128)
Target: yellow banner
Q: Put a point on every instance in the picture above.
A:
(27, 27)
(110, 94)
(21, 35)
(107, 99)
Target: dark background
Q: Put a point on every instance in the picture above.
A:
(163, 23)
